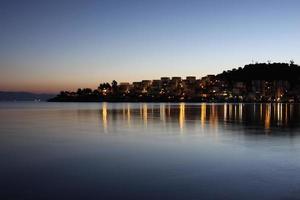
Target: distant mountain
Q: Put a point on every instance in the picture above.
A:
(23, 96)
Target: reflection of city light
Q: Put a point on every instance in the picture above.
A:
(274, 110)
(162, 112)
(124, 112)
(181, 115)
(203, 114)
(214, 116)
(128, 114)
(145, 114)
(104, 116)
(209, 114)
(225, 111)
(286, 113)
(279, 112)
(291, 110)
(141, 111)
(230, 111)
(235, 112)
(241, 112)
(268, 116)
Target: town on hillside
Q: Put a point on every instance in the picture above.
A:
(259, 82)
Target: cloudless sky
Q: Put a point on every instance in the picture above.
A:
(48, 46)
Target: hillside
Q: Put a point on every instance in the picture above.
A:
(263, 71)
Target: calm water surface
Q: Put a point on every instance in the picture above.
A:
(149, 151)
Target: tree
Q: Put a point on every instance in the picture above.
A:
(87, 91)
(292, 62)
(115, 89)
(79, 91)
(104, 86)
(114, 84)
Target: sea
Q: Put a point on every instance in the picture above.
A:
(149, 151)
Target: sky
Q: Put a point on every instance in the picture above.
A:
(54, 45)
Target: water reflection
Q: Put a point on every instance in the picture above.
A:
(128, 114)
(145, 114)
(267, 116)
(150, 145)
(181, 116)
(262, 116)
(162, 113)
(203, 114)
(104, 116)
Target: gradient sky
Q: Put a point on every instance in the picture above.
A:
(48, 46)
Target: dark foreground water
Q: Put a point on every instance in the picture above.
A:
(149, 151)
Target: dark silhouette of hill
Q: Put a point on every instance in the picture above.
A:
(23, 96)
(263, 71)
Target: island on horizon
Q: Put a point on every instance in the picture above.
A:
(259, 82)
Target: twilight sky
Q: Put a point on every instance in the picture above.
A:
(48, 46)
